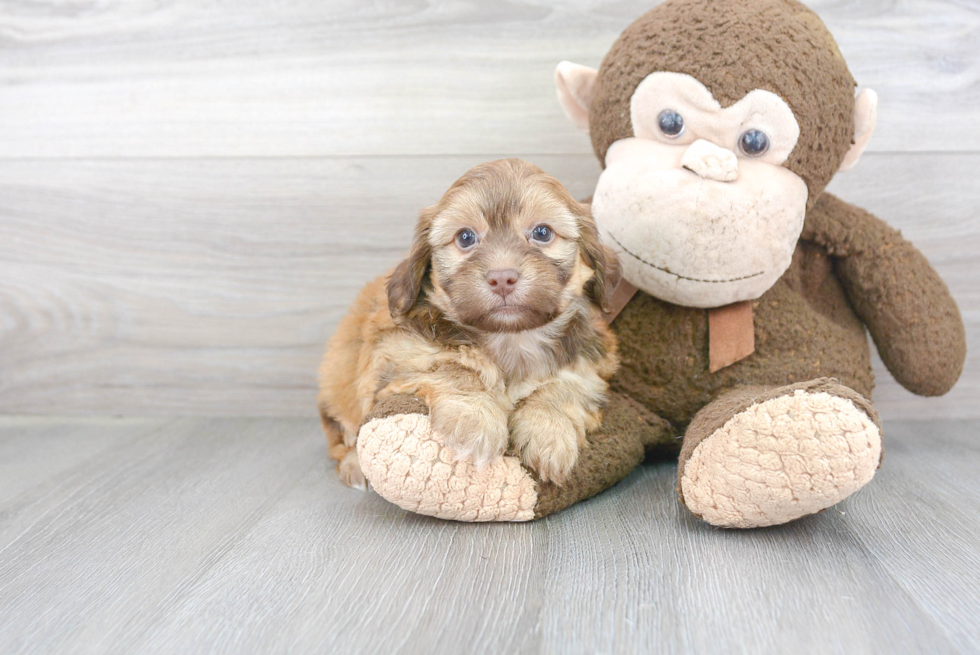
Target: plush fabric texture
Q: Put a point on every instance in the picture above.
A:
(734, 47)
(409, 465)
(780, 458)
(907, 307)
(708, 160)
(397, 404)
(720, 411)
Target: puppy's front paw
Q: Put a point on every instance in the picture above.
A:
(547, 441)
(349, 470)
(472, 427)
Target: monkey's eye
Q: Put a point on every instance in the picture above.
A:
(671, 123)
(542, 234)
(466, 239)
(753, 142)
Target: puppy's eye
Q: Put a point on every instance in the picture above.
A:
(671, 123)
(466, 239)
(542, 234)
(753, 143)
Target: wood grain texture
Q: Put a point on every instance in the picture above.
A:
(932, 474)
(198, 286)
(38, 449)
(234, 535)
(115, 532)
(184, 78)
(209, 286)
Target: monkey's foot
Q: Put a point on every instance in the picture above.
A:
(782, 454)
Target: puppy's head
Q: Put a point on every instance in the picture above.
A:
(506, 249)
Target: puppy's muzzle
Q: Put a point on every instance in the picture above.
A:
(503, 282)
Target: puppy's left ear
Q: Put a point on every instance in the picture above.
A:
(405, 283)
(600, 259)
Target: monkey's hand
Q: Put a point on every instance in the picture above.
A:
(408, 464)
(908, 309)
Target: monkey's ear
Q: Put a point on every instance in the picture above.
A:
(405, 283)
(865, 117)
(575, 84)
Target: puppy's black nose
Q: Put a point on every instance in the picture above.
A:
(502, 282)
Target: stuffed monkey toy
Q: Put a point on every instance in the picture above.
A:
(748, 293)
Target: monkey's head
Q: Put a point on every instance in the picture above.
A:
(718, 124)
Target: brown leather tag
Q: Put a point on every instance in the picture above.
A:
(731, 335)
(622, 294)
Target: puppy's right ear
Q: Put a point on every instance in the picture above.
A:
(600, 258)
(405, 283)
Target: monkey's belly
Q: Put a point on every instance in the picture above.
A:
(804, 329)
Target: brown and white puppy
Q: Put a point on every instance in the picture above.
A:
(493, 320)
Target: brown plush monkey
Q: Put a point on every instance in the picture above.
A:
(719, 123)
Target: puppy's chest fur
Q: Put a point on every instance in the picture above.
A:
(529, 359)
(518, 363)
(524, 356)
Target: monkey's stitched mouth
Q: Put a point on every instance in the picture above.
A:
(678, 275)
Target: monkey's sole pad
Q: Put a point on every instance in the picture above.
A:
(780, 460)
(409, 465)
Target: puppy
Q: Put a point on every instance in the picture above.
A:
(493, 320)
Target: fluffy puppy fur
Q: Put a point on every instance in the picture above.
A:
(525, 368)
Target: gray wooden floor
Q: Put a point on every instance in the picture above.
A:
(234, 535)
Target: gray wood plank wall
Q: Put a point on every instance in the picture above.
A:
(192, 193)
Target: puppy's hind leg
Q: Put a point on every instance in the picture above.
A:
(335, 435)
(348, 468)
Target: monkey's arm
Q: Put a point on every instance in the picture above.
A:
(908, 309)
(408, 464)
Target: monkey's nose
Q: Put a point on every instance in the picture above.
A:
(711, 162)
(502, 282)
